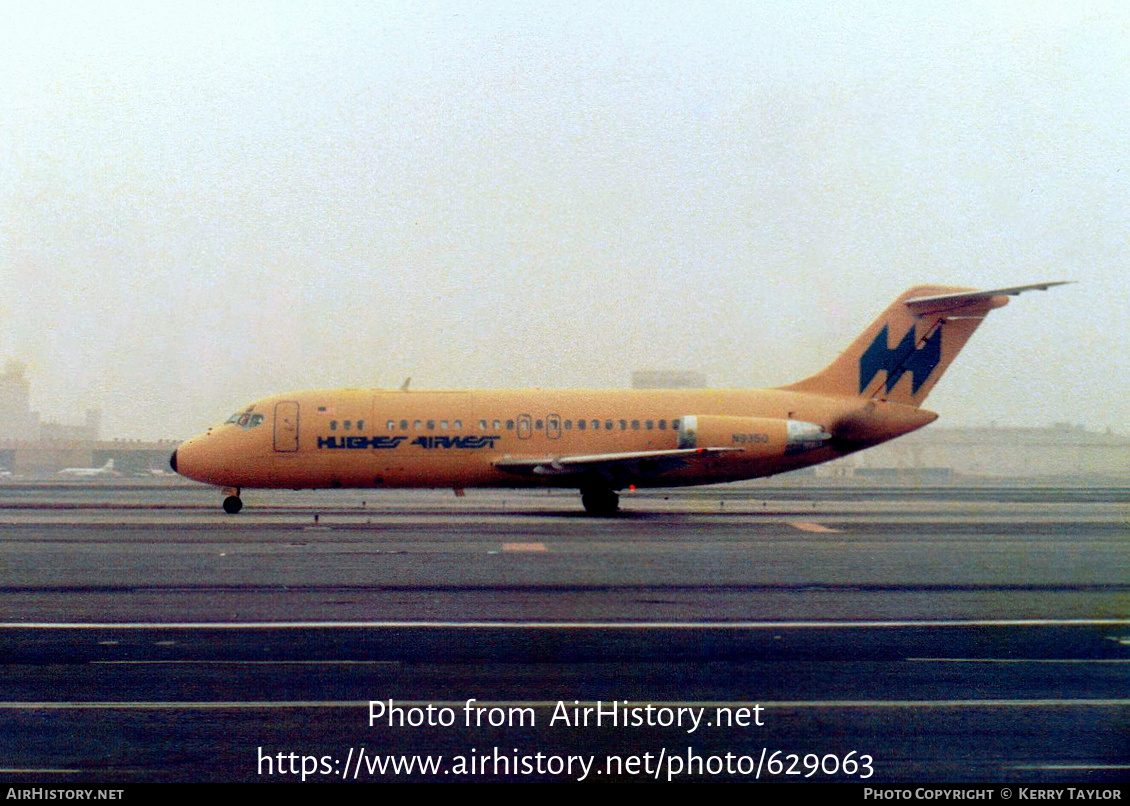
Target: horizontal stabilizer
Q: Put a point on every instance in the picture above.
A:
(904, 352)
(941, 303)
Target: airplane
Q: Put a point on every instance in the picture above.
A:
(88, 472)
(598, 441)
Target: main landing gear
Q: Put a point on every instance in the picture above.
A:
(600, 501)
(233, 503)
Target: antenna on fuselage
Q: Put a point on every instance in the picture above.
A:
(404, 386)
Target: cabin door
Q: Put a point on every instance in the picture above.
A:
(286, 427)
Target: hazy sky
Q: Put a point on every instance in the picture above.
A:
(206, 203)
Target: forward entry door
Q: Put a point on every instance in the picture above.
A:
(286, 427)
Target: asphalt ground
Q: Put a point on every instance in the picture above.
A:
(949, 634)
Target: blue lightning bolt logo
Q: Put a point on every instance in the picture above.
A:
(900, 360)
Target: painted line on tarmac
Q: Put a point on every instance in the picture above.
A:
(1018, 660)
(1073, 767)
(189, 705)
(387, 663)
(806, 526)
(570, 625)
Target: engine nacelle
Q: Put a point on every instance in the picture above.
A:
(756, 436)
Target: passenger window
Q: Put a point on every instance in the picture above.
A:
(333, 425)
(635, 425)
(360, 425)
(509, 425)
(568, 425)
(443, 425)
(403, 425)
(497, 425)
(607, 425)
(649, 425)
(580, 425)
(458, 425)
(418, 424)
(348, 424)
(623, 425)
(596, 425)
(482, 425)
(662, 425)
(537, 425)
(675, 425)
(431, 425)
(392, 425)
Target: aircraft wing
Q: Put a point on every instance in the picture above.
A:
(952, 302)
(630, 464)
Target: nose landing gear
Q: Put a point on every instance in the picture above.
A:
(233, 503)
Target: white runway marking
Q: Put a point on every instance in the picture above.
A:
(1073, 767)
(1019, 660)
(806, 526)
(188, 705)
(245, 663)
(565, 625)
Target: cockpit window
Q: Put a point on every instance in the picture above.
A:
(246, 420)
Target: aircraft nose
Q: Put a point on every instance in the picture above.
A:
(201, 459)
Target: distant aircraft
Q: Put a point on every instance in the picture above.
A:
(88, 472)
(598, 441)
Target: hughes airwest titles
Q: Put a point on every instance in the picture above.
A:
(598, 441)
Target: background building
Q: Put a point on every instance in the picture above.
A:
(668, 379)
(17, 420)
(1062, 451)
(30, 447)
(20, 424)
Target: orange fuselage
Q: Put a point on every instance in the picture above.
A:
(386, 438)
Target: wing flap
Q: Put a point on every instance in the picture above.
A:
(636, 463)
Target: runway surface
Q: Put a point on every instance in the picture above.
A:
(772, 632)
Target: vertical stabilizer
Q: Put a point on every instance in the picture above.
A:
(904, 352)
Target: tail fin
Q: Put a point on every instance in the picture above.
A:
(904, 352)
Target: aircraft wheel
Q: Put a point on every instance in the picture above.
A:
(600, 501)
(232, 504)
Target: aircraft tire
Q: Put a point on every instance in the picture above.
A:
(233, 504)
(600, 502)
